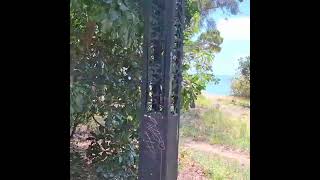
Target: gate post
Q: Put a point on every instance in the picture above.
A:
(160, 89)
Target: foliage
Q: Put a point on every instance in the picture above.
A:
(204, 7)
(197, 66)
(241, 87)
(241, 84)
(79, 170)
(105, 73)
(244, 67)
(199, 54)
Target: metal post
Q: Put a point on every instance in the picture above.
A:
(160, 90)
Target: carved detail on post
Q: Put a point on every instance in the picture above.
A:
(152, 148)
(178, 55)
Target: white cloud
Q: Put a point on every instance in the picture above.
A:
(235, 28)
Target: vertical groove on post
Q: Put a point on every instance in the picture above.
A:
(169, 23)
(180, 59)
(180, 24)
(170, 6)
(146, 54)
(144, 80)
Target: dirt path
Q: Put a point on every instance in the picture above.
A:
(242, 157)
(193, 172)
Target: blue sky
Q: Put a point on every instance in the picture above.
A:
(235, 29)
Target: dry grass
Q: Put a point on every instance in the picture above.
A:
(228, 124)
(212, 166)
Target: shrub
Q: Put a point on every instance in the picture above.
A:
(241, 84)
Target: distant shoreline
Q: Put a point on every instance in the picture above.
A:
(222, 88)
(212, 96)
(206, 94)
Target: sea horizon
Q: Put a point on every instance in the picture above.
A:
(222, 88)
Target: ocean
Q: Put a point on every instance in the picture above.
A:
(223, 88)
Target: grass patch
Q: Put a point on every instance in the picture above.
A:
(238, 101)
(203, 102)
(207, 102)
(193, 126)
(215, 127)
(215, 167)
(226, 131)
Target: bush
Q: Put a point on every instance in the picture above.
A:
(241, 84)
(241, 87)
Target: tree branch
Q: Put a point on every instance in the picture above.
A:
(97, 121)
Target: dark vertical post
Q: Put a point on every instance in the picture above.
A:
(160, 89)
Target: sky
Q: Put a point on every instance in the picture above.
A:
(235, 29)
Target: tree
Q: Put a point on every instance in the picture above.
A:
(241, 84)
(199, 54)
(197, 67)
